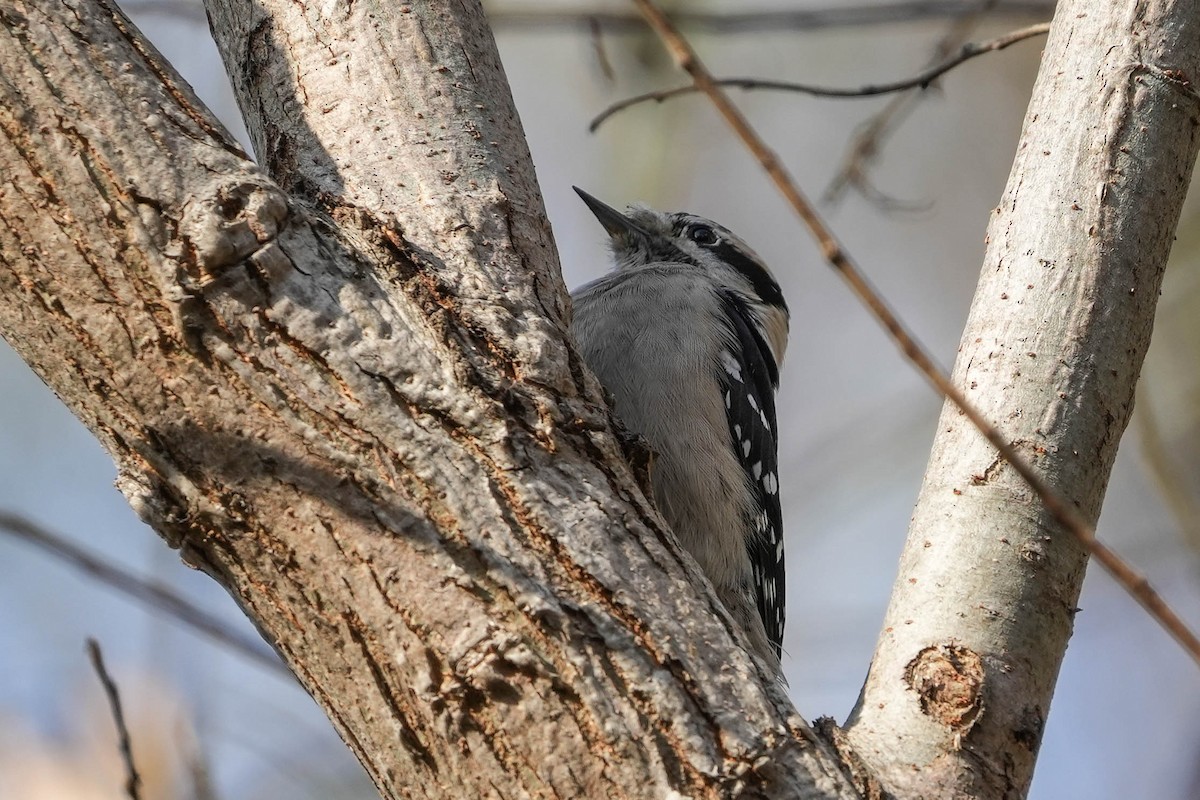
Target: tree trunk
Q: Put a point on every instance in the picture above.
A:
(342, 385)
(346, 392)
(961, 682)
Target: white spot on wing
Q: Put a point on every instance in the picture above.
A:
(731, 365)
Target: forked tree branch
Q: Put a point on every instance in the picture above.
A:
(864, 145)
(346, 391)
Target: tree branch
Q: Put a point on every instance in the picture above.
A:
(1168, 478)
(154, 596)
(865, 144)
(538, 19)
(133, 781)
(348, 395)
(921, 80)
(764, 21)
(1054, 345)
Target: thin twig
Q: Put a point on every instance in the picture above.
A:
(198, 769)
(153, 595)
(132, 781)
(597, 35)
(834, 15)
(839, 259)
(864, 147)
(536, 18)
(1166, 475)
(919, 81)
(869, 137)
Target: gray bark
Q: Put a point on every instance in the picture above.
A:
(343, 387)
(962, 678)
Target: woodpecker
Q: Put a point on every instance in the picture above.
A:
(687, 335)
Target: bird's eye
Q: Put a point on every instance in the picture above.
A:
(702, 235)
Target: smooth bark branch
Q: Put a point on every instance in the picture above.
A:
(347, 394)
(960, 686)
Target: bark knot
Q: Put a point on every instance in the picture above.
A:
(949, 680)
(233, 219)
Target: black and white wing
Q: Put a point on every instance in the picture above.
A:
(749, 379)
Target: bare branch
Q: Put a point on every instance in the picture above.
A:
(132, 781)
(154, 596)
(837, 257)
(196, 761)
(751, 22)
(868, 139)
(864, 147)
(354, 403)
(1166, 473)
(921, 80)
(537, 19)
(597, 36)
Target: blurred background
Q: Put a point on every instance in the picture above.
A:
(857, 422)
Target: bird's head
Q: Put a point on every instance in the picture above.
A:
(645, 236)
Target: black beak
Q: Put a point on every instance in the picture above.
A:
(616, 223)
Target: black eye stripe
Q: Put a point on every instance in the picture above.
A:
(764, 285)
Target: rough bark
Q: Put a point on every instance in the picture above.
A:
(348, 395)
(962, 678)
